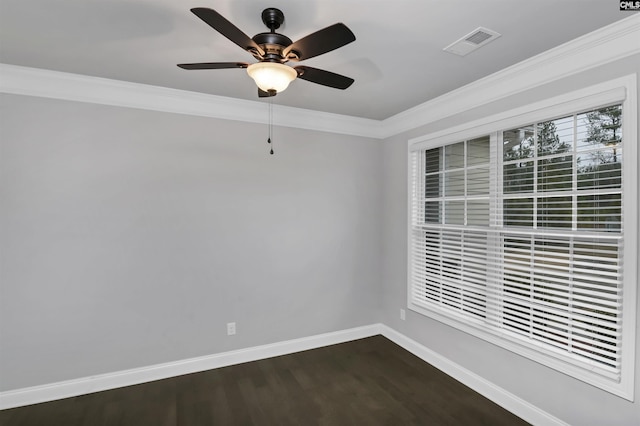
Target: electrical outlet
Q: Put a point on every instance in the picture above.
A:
(231, 328)
(403, 314)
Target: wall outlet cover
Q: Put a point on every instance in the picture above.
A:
(231, 328)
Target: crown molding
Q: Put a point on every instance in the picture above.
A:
(82, 88)
(607, 44)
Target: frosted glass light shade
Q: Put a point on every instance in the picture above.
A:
(271, 75)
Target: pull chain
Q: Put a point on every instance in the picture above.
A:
(269, 141)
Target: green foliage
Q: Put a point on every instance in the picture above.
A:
(604, 126)
(598, 167)
(549, 142)
(604, 130)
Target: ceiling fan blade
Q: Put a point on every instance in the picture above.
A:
(326, 78)
(323, 41)
(227, 29)
(213, 65)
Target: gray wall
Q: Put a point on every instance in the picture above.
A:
(569, 399)
(130, 238)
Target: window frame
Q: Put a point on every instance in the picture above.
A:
(622, 90)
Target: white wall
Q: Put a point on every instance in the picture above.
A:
(130, 238)
(561, 396)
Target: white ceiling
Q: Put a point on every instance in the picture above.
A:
(397, 59)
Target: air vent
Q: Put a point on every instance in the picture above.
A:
(478, 37)
(472, 41)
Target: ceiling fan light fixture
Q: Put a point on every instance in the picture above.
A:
(274, 50)
(270, 76)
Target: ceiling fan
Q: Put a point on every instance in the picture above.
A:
(273, 50)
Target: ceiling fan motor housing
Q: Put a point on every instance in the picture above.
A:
(273, 44)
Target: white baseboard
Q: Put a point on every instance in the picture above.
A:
(506, 400)
(85, 385)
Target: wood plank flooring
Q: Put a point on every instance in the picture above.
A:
(370, 381)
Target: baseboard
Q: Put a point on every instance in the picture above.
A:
(503, 398)
(85, 385)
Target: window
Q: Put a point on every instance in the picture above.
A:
(519, 235)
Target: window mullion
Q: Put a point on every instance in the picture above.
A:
(574, 209)
(532, 238)
(494, 293)
(574, 227)
(535, 176)
(463, 286)
(442, 195)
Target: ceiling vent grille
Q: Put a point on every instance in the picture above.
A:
(472, 41)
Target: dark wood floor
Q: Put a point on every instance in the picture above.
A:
(365, 382)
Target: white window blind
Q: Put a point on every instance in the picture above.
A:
(520, 233)
(451, 225)
(562, 238)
